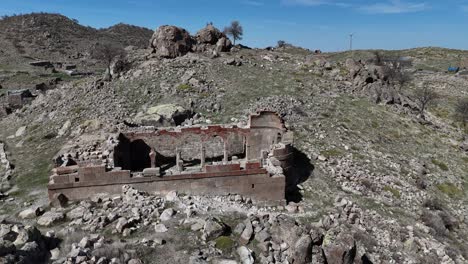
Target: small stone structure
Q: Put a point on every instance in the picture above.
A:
(252, 161)
(18, 98)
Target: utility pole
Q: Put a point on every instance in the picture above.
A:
(351, 41)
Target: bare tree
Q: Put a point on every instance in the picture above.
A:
(235, 30)
(461, 111)
(424, 97)
(394, 68)
(107, 53)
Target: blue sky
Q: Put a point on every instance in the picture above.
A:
(314, 24)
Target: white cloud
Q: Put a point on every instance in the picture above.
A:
(394, 7)
(378, 7)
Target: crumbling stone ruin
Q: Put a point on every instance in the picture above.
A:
(252, 161)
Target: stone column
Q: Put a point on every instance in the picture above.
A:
(225, 150)
(152, 156)
(247, 149)
(180, 166)
(202, 156)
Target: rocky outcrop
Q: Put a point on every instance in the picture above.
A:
(211, 39)
(375, 81)
(171, 42)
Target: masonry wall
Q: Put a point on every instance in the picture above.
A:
(254, 182)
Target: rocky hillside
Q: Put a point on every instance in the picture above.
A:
(53, 36)
(382, 183)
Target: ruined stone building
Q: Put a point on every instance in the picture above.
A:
(253, 161)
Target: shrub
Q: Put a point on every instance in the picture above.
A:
(433, 204)
(281, 43)
(440, 164)
(224, 242)
(425, 96)
(461, 111)
(421, 182)
(450, 222)
(434, 221)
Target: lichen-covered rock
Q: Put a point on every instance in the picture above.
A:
(171, 42)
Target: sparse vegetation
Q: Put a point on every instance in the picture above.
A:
(393, 191)
(224, 243)
(107, 53)
(425, 96)
(450, 189)
(440, 164)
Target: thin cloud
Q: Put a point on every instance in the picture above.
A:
(315, 3)
(253, 3)
(394, 7)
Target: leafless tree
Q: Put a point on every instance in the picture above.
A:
(425, 96)
(394, 68)
(235, 30)
(461, 111)
(107, 53)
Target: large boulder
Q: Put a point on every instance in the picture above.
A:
(163, 115)
(340, 249)
(303, 250)
(171, 42)
(209, 35)
(223, 45)
(50, 218)
(214, 228)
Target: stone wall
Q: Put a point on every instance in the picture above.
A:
(254, 182)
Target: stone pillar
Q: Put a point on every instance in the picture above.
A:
(152, 156)
(225, 150)
(247, 149)
(180, 166)
(202, 156)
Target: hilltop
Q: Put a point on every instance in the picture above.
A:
(56, 37)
